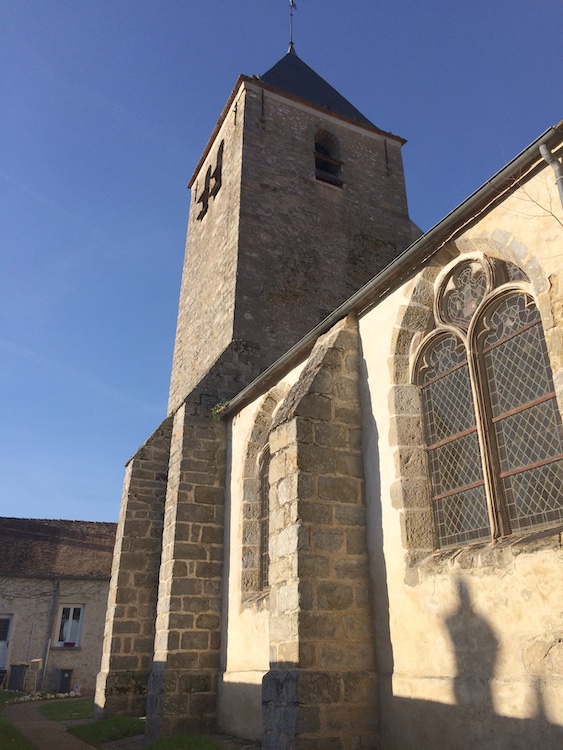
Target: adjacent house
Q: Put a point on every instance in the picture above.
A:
(54, 579)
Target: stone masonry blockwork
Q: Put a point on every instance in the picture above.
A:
(129, 634)
(182, 693)
(320, 690)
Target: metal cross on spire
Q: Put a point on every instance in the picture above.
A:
(292, 7)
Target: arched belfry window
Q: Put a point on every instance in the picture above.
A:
(328, 167)
(493, 430)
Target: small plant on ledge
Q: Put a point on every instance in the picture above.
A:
(219, 409)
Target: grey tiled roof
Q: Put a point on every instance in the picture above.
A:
(55, 549)
(295, 77)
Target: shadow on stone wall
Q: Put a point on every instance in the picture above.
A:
(291, 698)
(475, 648)
(428, 725)
(472, 721)
(240, 709)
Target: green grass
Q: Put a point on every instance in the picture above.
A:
(96, 732)
(106, 730)
(119, 727)
(7, 696)
(183, 742)
(68, 709)
(10, 738)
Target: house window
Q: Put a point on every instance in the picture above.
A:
(70, 625)
(493, 430)
(328, 166)
(5, 623)
(264, 520)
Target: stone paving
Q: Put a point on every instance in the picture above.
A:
(46, 734)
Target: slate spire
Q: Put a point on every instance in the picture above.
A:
(292, 76)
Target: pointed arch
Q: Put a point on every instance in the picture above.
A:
(255, 507)
(492, 430)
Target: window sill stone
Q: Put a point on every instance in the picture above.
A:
(484, 556)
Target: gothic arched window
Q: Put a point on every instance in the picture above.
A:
(328, 166)
(264, 520)
(493, 430)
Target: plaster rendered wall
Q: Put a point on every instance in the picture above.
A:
(28, 600)
(469, 645)
(245, 656)
(245, 642)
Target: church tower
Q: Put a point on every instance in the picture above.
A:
(297, 201)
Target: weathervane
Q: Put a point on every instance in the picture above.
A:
(292, 7)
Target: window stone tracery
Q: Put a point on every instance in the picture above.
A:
(492, 428)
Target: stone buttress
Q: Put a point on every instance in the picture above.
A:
(320, 691)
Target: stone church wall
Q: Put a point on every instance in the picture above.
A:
(302, 649)
(245, 652)
(129, 633)
(469, 653)
(468, 641)
(363, 636)
(274, 237)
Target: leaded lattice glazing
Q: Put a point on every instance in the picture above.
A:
(526, 420)
(533, 497)
(516, 403)
(448, 403)
(512, 314)
(443, 355)
(455, 464)
(532, 435)
(464, 289)
(518, 371)
(453, 450)
(449, 406)
(462, 517)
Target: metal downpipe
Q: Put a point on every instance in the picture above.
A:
(557, 167)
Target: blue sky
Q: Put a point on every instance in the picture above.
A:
(106, 109)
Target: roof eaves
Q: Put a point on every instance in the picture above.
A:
(258, 82)
(528, 163)
(328, 111)
(55, 576)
